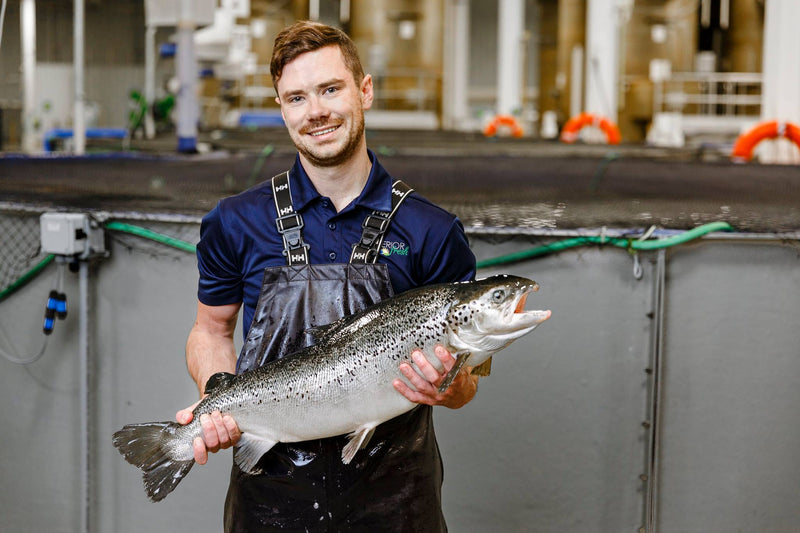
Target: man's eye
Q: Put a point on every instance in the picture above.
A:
(331, 90)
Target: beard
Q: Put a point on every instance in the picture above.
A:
(333, 154)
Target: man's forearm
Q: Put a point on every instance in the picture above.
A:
(207, 354)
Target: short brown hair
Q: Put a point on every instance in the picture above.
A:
(307, 36)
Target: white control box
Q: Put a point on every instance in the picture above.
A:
(71, 234)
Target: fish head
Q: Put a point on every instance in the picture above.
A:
(489, 314)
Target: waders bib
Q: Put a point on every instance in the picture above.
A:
(394, 484)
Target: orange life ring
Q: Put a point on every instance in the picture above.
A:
(503, 120)
(746, 142)
(570, 132)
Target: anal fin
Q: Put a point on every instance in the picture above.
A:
(461, 358)
(249, 450)
(356, 441)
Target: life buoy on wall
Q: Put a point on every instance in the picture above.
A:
(503, 120)
(570, 132)
(746, 142)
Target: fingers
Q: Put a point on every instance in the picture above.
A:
(200, 452)
(425, 379)
(184, 416)
(219, 432)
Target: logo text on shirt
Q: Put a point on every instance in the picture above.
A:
(394, 248)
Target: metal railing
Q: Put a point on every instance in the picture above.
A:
(711, 94)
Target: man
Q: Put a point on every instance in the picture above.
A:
(281, 250)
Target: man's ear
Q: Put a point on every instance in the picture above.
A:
(367, 94)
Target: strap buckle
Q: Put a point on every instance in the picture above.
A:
(373, 227)
(290, 227)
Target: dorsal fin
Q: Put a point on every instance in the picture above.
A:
(219, 380)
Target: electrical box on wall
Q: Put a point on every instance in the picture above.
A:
(71, 234)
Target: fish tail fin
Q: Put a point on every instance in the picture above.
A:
(147, 446)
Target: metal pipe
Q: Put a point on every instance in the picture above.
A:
(27, 19)
(85, 391)
(656, 367)
(79, 117)
(187, 75)
(149, 80)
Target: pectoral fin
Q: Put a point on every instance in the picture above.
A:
(249, 450)
(356, 440)
(461, 358)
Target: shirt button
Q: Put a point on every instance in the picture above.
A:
(332, 226)
(332, 256)
(325, 202)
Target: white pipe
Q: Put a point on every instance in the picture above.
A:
(79, 117)
(27, 17)
(187, 76)
(149, 80)
(576, 81)
(511, 24)
(85, 405)
(455, 83)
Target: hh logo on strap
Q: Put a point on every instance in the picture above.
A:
(393, 248)
(286, 210)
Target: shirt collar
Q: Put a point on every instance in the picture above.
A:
(376, 195)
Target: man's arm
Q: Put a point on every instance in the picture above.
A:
(209, 350)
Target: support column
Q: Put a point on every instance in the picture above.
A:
(602, 58)
(27, 21)
(187, 76)
(149, 80)
(511, 25)
(455, 79)
(781, 86)
(79, 116)
(570, 39)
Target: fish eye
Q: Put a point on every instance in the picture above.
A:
(498, 296)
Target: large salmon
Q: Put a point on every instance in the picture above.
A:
(343, 383)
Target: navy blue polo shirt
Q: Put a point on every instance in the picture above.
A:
(238, 239)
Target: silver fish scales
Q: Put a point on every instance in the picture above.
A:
(342, 384)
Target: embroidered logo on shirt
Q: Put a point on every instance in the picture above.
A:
(394, 248)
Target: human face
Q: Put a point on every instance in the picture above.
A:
(323, 108)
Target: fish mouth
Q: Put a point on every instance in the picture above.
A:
(531, 317)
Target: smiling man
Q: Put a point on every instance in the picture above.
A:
(301, 250)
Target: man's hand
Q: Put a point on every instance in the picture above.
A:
(427, 381)
(219, 432)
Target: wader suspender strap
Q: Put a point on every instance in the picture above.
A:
(375, 225)
(289, 223)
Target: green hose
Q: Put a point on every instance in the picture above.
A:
(152, 235)
(628, 244)
(558, 246)
(25, 278)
